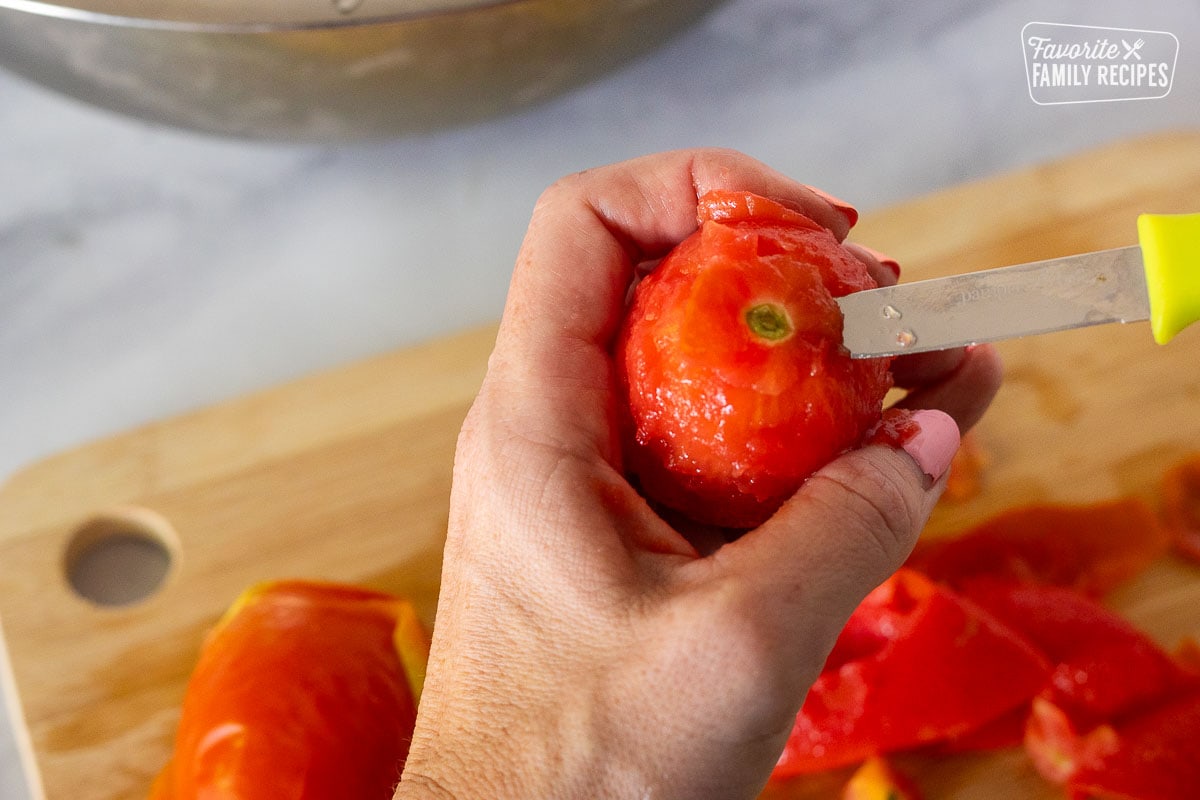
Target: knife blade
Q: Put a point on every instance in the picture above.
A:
(1159, 280)
(1042, 297)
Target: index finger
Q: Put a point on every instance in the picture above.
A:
(587, 233)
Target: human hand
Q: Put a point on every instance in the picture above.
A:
(584, 647)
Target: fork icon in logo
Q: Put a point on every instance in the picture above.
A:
(1132, 49)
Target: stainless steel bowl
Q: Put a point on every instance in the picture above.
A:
(326, 69)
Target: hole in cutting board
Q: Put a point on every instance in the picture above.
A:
(120, 557)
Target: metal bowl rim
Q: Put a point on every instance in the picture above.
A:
(336, 20)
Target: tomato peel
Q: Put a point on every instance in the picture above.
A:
(304, 690)
(1007, 730)
(1089, 548)
(915, 664)
(1152, 756)
(734, 207)
(1104, 666)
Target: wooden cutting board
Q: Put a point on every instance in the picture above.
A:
(345, 476)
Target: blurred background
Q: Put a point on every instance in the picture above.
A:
(146, 270)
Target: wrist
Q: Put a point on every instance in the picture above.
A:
(439, 768)
(451, 762)
(548, 759)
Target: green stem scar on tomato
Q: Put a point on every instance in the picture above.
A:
(769, 322)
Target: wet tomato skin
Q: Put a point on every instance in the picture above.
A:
(735, 381)
(303, 691)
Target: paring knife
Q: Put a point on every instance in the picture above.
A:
(1157, 279)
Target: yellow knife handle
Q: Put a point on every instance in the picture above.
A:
(1171, 254)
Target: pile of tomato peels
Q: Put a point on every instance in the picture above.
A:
(999, 637)
(989, 639)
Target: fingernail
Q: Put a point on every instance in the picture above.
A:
(934, 445)
(845, 209)
(884, 259)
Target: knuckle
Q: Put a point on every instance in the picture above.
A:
(718, 155)
(876, 501)
(566, 186)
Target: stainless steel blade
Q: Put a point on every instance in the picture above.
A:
(1041, 297)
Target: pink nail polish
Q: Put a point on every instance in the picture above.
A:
(845, 209)
(884, 259)
(934, 444)
(849, 212)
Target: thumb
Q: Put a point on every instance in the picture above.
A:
(851, 525)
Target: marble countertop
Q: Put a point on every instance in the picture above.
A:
(145, 271)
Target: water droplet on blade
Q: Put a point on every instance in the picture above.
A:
(347, 6)
(891, 312)
(906, 338)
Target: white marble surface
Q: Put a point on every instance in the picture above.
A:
(145, 271)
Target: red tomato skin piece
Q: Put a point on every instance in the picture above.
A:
(1007, 730)
(1157, 757)
(1015, 565)
(1104, 667)
(915, 664)
(1090, 548)
(723, 418)
(300, 693)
